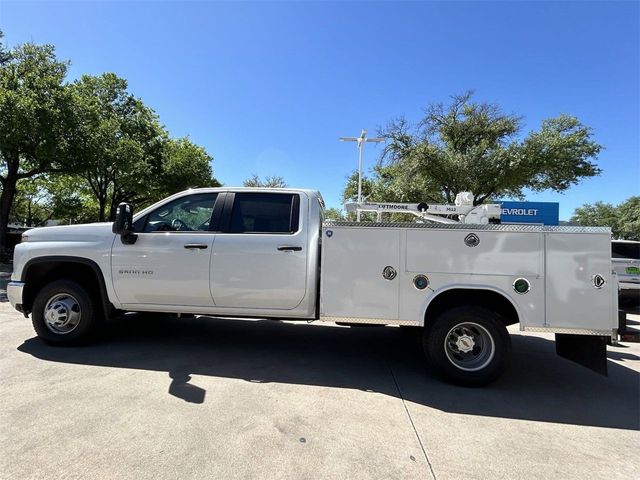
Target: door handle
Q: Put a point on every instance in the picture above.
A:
(195, 246)
(285, 248)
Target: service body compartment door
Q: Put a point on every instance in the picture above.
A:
(496, 253)
(576, 297)
(353, 261)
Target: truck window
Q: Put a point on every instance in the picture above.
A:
(185, 214)
(265, 213)
(625, 250)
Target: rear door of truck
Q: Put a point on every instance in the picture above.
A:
(259, 259)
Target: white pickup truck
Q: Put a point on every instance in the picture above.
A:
(234, 252)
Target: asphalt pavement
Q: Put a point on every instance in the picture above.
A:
(200, 398)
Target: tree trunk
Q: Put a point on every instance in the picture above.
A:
(29, 221)
(115, 195)
(102, 202)
(112, 212)
(6, 200)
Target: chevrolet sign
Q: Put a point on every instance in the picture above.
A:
(545, 213)
(520, 211)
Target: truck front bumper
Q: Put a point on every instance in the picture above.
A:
(14, 294)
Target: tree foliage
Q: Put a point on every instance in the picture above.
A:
(118, 141)
(470, 146)
(34, 118)
(184, 165)
(31, 203)
(385, 185)
(73, 151)
(334, 214)
(122, 151)
(273, 181)
(629, 219)
(624, 219)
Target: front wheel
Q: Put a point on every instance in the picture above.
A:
(65, 313)
(467, 345)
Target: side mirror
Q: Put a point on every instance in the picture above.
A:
(123, 224)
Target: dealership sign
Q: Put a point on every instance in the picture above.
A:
(545, 213)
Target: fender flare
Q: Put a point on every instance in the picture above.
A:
(466, 286)
(107, 306)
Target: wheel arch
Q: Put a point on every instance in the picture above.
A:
(486, 296)
(39, 271)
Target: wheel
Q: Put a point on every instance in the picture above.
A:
(467, 345)
(65, 313)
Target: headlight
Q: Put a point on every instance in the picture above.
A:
(24, 238)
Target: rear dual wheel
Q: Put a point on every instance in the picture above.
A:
(467, 345)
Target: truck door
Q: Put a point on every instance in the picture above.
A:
(169, 262)
(260, 257)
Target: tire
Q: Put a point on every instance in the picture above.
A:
(65, 313)
(629, 300)
(452, 332)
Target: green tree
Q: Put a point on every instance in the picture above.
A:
(273, 181)
(70, 199)
(623, 219)
(597, 214)
(629, 219)
(34, 119)
(184, 165)
(60, 197)
(334, 214)
(385, 185)
(118, 142)
(31, 203)
(476, 147)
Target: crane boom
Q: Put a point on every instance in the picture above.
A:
(435, 212)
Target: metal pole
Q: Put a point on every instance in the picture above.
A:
(359, 177)
(361, 140)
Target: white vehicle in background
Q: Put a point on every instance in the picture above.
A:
(625, 256)
(241, 252)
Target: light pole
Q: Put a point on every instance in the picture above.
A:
(361, 140)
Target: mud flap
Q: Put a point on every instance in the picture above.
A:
(587, 350)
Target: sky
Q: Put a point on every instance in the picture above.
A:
(268, 87)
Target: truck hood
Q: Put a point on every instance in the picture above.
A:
(88, 232)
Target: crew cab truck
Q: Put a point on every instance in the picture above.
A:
(268, 253)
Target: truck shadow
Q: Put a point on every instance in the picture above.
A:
(539, 386)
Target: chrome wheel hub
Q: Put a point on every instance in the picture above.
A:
(465, 343)
(62, 313)
(469, 346)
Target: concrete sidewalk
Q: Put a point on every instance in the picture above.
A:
(203, 398)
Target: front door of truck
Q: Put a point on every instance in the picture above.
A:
(259, 258)
(169, 262)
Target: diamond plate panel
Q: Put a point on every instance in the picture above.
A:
(574, 331)
(373, 321)
(462, 226)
